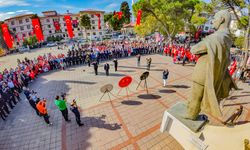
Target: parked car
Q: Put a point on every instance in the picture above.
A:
(23, 49)
(51, 44)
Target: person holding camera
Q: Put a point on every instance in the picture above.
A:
(74, 109)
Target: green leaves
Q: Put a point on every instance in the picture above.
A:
(165, 16)
(125, 11)
(85, 21)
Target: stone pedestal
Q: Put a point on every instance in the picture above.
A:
(185, 131)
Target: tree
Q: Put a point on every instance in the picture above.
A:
(32, 40)
(25, 42)
(239, 41)
(169, 16)
(125, 11)
(85, 21)
(107, 17)
(116, 23)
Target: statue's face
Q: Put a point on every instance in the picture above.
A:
(217, 21)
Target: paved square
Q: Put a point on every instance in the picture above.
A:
(125, 122)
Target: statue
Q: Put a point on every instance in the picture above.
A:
(211, 79)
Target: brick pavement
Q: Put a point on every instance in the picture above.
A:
(126, 122)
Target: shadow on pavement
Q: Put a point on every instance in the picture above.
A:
(167, 91)
(178, 86)
(149, 96)
(131, 102)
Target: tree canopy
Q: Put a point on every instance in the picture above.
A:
(167, 16)
(125, 11)
(85, 21)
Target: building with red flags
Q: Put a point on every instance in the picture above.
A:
(97, 23)
(53, 24)
(21, 26)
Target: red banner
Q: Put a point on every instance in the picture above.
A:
(138, 19)
(57, 25)
(37, 29)
(6, 36)
(99, 20)
(69, 26)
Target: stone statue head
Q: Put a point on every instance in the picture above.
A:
(221, 19)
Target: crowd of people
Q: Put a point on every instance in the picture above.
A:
(14, 81)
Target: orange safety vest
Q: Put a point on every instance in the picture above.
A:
(41, 107)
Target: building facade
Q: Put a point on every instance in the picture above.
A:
(94, 32)
(21, 26)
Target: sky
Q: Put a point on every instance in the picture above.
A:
(9, 8)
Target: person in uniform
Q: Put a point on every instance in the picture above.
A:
(106, 68)
(95, 67)
(115, 64)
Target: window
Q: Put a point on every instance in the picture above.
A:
(12, 22)
(63, 35)
(79, 34)
(100, 33)
(65, 24)
(93, 28)
(49, 26)
(65, 30)
(94, 33)
(17, 43)
(47, 20)
(78, 29)
(22, 28)
(28, 26)
(20, 21)
(206, 28)
(92, 16)
(14, 29)
(93, 21)
(50, 31)
(27, 20)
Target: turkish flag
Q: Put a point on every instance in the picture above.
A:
(119, 14)
(69, 26)
(99, 20)
(138, 19)
(57, 25)
(37, 29)
(6, 36)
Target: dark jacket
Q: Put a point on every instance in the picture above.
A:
(106, 67)
(75, 111)
(165, 74)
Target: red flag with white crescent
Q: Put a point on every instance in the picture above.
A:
(99, 20)
(138, 19)
(6, 35)
(69, 26)
(119, 14)
(57, 25)
(37, 29)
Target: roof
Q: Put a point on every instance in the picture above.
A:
(19, 16)
(48, 11)
(91, 11)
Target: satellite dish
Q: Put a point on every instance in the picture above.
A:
(144, 76)
(106, 88)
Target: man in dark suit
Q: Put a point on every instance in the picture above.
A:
(95, 67)
(106, 68)
(115, 64)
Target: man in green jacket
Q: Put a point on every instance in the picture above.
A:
(61, 105)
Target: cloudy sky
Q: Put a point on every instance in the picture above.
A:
(10, 8)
